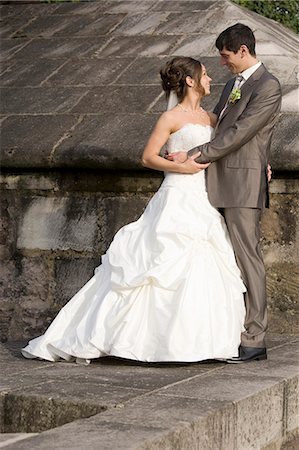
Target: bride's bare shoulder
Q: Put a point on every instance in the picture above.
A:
(171, 114)
(169, 118)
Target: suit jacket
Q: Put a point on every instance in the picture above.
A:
(240, 149)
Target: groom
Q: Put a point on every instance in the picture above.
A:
(237, 180)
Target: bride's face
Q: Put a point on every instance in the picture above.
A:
(205, 81)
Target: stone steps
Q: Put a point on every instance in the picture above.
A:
(206, 406)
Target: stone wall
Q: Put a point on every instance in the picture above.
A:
(54, 229)
(56, 225)
(80, 93)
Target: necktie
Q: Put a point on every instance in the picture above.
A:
(238, 81)
(237, 84)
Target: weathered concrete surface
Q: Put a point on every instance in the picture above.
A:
(151, 406)
(84, 77)
(80, 94)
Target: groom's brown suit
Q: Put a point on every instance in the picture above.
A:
(237, 183)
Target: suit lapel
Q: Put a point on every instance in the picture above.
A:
(245, 88)
(227, 92)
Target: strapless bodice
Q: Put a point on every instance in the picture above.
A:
(187, 137)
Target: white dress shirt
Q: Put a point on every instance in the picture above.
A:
(248, 72)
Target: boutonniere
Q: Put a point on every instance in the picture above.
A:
(235, 95)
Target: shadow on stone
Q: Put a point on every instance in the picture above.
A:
(33, 414)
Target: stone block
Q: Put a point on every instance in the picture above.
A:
(79, 8)
(284, 67)
(108, 141)
(13, 438)
(29, 74)
(292, 405)
(72, 25)
(138, 45)
(134, 99)
(136, 182)
(11, 25)
(160, 105)
(74, 389)
(118, 435)
(198, 46)
(181, 423)
(259, 418)
(8, 225)
(30, 319)
(30, 182)
(28, 140)
(125, 6)
(34, 279)
(120, 211)
(282, 290)
(271, 48)
(9, 283)
(285, 137)
(280, 222)
(6, 313)
(185, 5)
(222, 387)
(292, 443)
(5, 66)
(30, 10)
(290, 101)
(71, 275)
(38, 414)
(140, 23)
(222, 15)
(10, 46)
(92, 72)
(146, 71)
(179, 22)
(16, 371)
(52, 223)
(40, 101)
(143, 71)
(108, 371)
(60, 47)
(25, 297)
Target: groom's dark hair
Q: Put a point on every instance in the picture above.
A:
(233, 37)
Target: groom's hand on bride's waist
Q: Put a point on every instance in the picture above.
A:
(188, 163)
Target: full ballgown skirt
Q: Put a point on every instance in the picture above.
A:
(168, 288)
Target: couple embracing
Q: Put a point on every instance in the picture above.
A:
(186, 281)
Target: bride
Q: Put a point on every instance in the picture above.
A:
(168, 288)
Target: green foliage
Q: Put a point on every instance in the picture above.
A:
(285, 12)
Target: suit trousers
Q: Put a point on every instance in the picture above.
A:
(244, 229)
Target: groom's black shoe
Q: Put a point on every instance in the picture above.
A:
(247, 354)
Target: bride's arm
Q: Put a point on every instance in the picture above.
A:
(151, 155)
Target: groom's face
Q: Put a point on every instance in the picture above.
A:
(233, 61)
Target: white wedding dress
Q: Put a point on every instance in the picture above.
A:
(168, 288)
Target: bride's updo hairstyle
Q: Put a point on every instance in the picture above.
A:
(175, 72)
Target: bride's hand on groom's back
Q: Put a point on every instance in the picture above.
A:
(269, 172)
